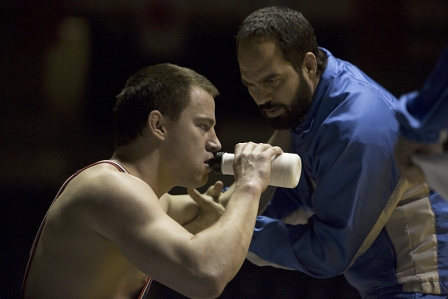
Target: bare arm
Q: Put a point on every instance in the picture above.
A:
(194, 212)
(182, 208)
(195, 265)
(210, 211)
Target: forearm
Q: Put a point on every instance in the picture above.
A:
(180, 207)
(223, 247)
(225, 196)
(265, 197)
(197, 265)
(226, 243)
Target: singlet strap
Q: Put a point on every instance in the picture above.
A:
(145, 289)
(39, 231)
(118, 166)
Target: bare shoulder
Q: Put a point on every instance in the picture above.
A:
(102, 197)
(102, 182)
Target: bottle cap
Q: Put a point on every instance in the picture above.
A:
(217, 162)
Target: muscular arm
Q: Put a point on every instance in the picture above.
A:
(195, 265)
(182, 208)
(193, 211)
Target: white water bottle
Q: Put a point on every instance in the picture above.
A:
(285, 172)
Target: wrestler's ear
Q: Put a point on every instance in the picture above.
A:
(156, 124)
(309, 64)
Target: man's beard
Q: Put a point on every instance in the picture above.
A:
(295, 113)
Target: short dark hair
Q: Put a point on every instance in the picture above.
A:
(292, 31)
(164, 87)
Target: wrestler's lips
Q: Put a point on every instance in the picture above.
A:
(210, 162)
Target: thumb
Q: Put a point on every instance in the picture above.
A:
(215, 190)
(196, 196)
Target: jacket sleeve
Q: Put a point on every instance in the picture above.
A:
(423, 114)
(350, 160)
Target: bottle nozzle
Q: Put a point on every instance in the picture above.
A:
(217, 162)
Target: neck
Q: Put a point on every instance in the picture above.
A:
(147, 167)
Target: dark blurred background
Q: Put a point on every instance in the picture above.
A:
(63, 62)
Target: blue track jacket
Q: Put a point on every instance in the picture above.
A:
(384, 235)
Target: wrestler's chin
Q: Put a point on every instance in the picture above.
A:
(199, 182)
(203, 180)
